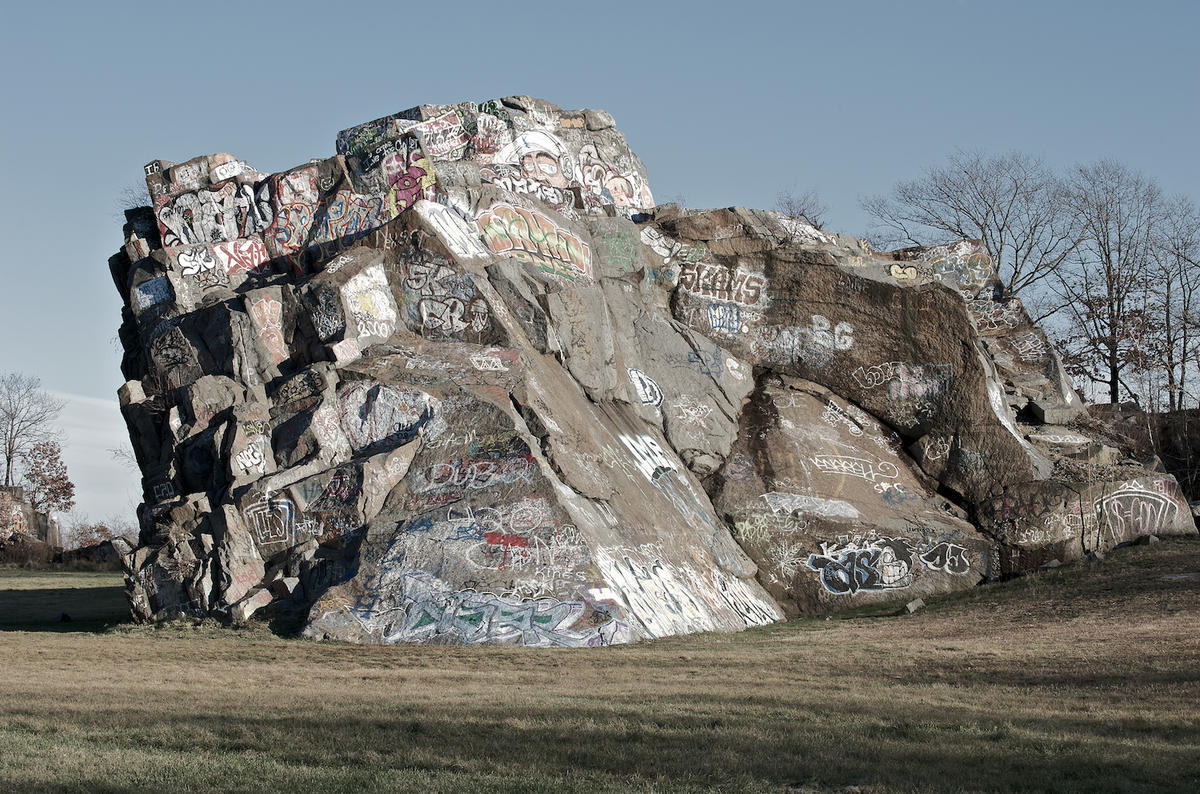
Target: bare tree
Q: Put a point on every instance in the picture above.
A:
(124, 456)
(26, 414)
(83, 532)
(806, 206)
(131, 196)
(1012, 202)
(1175, 290)
(1106, 284)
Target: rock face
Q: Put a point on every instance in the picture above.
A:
(18, 517)
(465, 382)
(21, 549)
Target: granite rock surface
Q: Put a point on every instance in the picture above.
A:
(465, 382)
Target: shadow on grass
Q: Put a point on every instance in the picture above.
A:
(89, 608)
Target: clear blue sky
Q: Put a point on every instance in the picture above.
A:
(727, 103)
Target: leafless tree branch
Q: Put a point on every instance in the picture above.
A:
(806, 206)
(26, 416)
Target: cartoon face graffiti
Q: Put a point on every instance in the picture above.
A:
(894, 563)
(620, 189)
(541, 158)
(543, 167)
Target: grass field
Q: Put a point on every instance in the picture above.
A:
(1086, 678)
(37, 599)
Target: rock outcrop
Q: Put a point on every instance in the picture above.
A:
(465, 382)
(19, 517)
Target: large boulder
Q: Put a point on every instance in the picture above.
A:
(834, 511)
(465, 382)
(1064, 520)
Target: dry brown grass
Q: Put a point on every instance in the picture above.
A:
(1081, 679)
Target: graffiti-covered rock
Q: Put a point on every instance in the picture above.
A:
(833, 509)
(1065, 521)
(464, 382)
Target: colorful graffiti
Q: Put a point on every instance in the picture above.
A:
(408, 176)
(242, 256)
(431, 610)
(530, 237)
(347, 216)
(295, 195)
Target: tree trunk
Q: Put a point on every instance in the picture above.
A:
(1114, 377)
